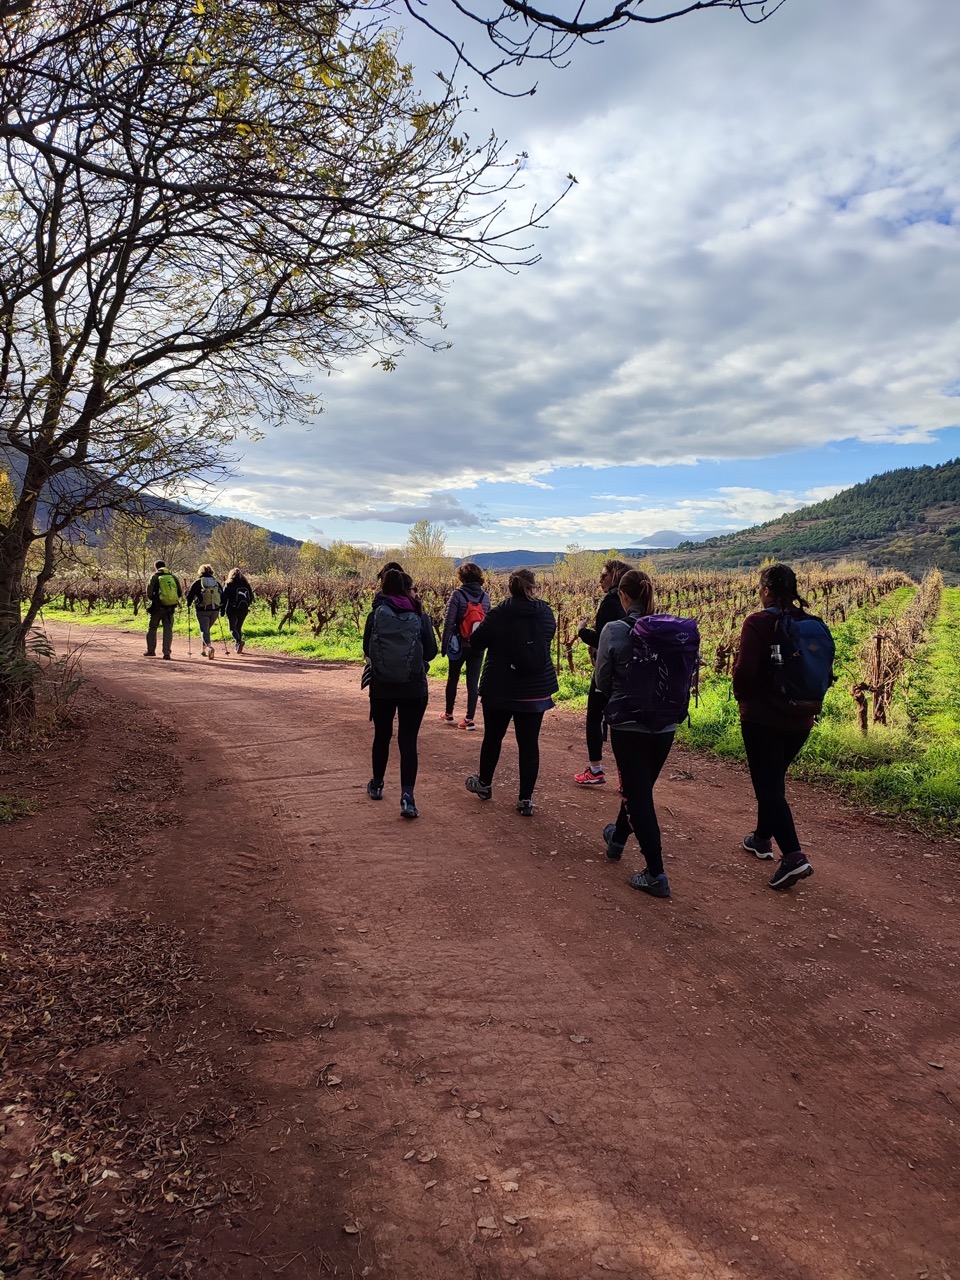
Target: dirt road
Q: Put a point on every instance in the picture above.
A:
(465, 1048)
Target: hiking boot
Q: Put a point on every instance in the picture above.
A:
(793, 867)
(375, 789)
(614, 848)
(525, 808)
(446, 717)
(589, 778)
(407, 808)
(656, 886)
(166, 657)
(148, 654)
(466, 724)
(762, 849)
(478, 788)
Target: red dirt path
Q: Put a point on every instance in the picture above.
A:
(465, 1048)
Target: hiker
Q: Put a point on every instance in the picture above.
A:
(235, 603)
(645, 702)
(163, 595)
(469, 604)
(610, 610)
(399, 644)
(206, 595)
(775, 725)
(517, 683)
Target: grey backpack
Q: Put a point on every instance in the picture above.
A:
(396, 645)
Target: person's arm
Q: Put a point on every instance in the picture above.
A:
(451, 620)
(367, 628)
(752, 654)
(152, 590)
(429, 639)
(603, 671)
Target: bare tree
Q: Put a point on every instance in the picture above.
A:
(234, 542)
(196, 206)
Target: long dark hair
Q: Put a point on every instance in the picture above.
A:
(637, 586)
(781, 582)
(522, 584)
(394, 582)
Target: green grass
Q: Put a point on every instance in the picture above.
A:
(13, 807)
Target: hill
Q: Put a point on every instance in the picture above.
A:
(906, 519)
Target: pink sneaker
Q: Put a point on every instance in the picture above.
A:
(466, 724)
(589, 779)
(447, 719)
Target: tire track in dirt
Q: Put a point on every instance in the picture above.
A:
(481, 1048)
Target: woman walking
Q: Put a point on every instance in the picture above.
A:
(469, 604)
(640, 747)
(399, 644)
(774, 729)
(237, 598)
(205, 595)
(610, 610)
(517, 683)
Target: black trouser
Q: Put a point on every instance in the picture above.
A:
(409, 713)
(770, 752)
(235, 620)
(161, 615)
(526, 729)
(596, 729)
(640, 757)
(473, 662)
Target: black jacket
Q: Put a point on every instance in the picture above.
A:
(228, 597)
(610, 610)
(499, 633)
(416, 686)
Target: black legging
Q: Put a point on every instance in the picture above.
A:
(409, 713)
(235, 620)
(640, 757)
(770, 752)
(596, 701)
(526, 728)
(473, 662)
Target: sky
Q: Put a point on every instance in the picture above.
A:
(749, 301)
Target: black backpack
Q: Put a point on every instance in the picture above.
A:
(396, 645)
(527, 651)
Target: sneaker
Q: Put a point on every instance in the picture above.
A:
(446, 717)
(656, 886)
(407, 808)
(166, 657)
(762, 849)
(474, 784)
(375, 789)
(614, 849)
(589, 778)
(525, 808)
(211, 653)
(148, 654)
(793, 866)
(466, 724)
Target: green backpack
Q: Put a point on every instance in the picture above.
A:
(167, 590)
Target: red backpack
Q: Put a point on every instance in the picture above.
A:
(473, 615)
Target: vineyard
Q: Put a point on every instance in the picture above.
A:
(889, 724)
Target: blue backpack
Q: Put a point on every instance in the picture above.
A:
(801, 656)
(655, 688)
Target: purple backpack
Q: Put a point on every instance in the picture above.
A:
(654, 690)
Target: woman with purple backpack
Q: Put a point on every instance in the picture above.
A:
(469, 604)
(642, 721)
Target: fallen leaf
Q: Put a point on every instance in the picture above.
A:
(939, 1065)
(511, 1186)
(555, 1117)
(488, 1224)
(428, 1185)
(351, 1228)
(580, 1039)
(473, 1115)
(409, 1155)
(330, 1081)
(426, 1156)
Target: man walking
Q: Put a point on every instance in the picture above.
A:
(163, 596)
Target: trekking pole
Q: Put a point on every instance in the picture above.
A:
(189, 649)
(223, 637)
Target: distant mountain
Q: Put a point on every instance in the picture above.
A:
(501, 561)
(202, 524)
(906, 519)
(666, 538)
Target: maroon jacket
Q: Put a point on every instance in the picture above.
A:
(753, 685)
